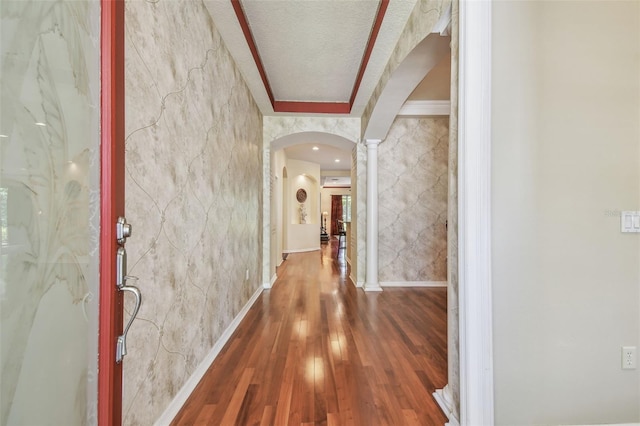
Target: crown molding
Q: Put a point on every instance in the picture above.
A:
(422, 108)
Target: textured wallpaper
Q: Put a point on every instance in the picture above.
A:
(453, 337)
(359, 159)
(194, 197)
(412, 165)
(279, 126)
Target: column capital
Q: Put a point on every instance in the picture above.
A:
(372, 142)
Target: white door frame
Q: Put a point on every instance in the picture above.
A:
(474, 213)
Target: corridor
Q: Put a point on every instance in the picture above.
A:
(316, 350)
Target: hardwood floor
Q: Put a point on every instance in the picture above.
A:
(314, 350)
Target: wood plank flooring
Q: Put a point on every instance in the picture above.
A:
(314, 350)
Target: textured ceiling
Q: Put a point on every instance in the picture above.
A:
(311, 51)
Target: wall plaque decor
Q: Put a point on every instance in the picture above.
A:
(301, 195)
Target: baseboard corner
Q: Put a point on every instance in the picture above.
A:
(445, 403)
(189, 386)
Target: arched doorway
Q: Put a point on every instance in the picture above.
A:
(280, 201)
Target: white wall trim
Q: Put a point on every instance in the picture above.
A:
(304, 250)
(268, 285)
(474, 214)
(353, 280)
(413, 284)
(421, 108)
(372, 289)
(183, 394)
(445, 401)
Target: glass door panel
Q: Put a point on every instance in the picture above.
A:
(49, 211)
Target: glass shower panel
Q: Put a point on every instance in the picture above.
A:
(49, 211)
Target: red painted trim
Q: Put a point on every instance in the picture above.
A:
(313, 107)
(244, 24)
(111, 206)
(382, 9)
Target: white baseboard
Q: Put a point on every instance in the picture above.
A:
(445, 405)
(359, 284)
(353, 280)
(302, 250)
(268, 285)
(413, 283)
(183, 394)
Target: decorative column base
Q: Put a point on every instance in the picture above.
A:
(372, 287)
(445, 401)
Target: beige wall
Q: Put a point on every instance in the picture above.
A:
(566, 153)
(279, 188)
(412, 174)
(302, 236)
(194, 197)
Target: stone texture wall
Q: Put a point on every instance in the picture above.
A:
(413, 201)
(194, 197)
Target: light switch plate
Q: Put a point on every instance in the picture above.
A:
(629, 221)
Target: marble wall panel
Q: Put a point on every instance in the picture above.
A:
(360, 155)
(453, 331)
(420, 24)
(49, 212)
(412, 166)
(194, 197)
(279, 126)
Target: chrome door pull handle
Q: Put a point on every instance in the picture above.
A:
(121, 348)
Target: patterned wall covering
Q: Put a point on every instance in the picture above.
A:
(413, 178)
(424, 16)
(277, 127)
(359, 157)
(194, 196)
(453, 335)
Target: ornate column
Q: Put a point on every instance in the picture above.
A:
(371, 283)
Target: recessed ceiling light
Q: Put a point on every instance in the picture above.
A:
(4, 136)
(40, 124)
(337, 160)
(315, 148)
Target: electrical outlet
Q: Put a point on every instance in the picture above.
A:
(628, 357)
